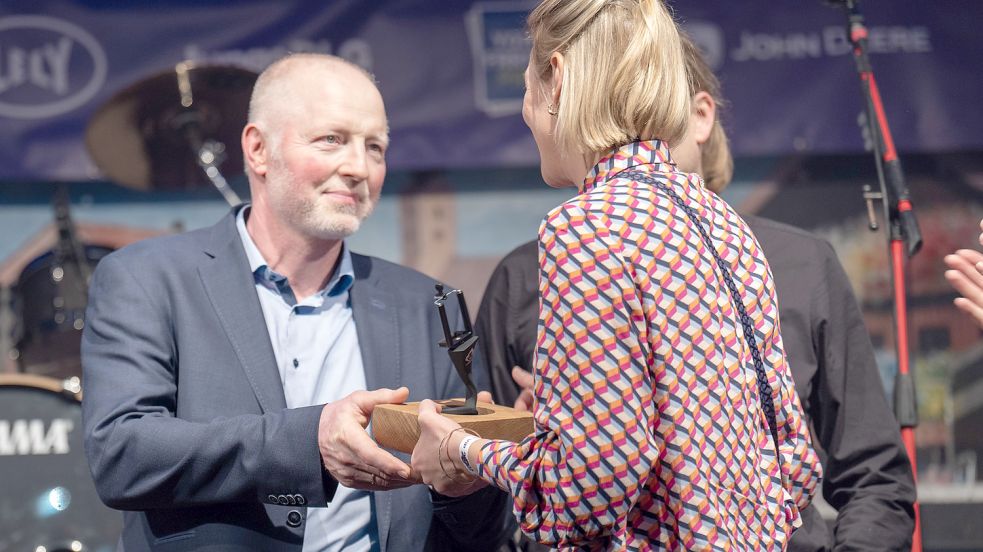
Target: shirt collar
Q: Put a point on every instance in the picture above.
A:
(340, 282)
(641, 152)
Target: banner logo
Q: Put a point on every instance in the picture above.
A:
(499, 53)
(355, 50)
(48, 67)
(709, 38)
(28, 437)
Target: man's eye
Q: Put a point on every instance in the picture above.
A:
(332, 139)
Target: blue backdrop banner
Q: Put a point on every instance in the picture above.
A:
(451, 71)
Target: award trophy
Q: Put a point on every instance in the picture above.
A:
(394, 426)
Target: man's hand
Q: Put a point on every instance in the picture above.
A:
(347, 451)
(524, 380)
(485, 397)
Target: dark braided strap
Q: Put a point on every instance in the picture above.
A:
(764, 390)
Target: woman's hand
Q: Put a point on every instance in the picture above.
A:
(445, 474)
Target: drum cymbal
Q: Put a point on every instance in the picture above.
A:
(146, 136)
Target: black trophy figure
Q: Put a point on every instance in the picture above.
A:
(460, 347)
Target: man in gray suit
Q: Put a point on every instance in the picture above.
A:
(226, 370)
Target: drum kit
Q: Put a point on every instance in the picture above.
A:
(171, 131)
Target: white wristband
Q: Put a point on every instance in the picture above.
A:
(463, 451)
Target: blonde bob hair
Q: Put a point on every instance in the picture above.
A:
(715, 156)
(623, 75)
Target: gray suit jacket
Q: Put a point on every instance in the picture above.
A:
(186, 426)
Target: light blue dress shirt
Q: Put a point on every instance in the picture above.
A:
(319, 361)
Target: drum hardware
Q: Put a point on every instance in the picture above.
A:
(73, 387)
(70, 270)
(175, 129)
(49, 300)
(73, 546)
(209, 153)
(170, 131)
(49, 501)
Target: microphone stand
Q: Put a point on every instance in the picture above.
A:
(904, 237)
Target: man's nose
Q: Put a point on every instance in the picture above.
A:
(356, 162)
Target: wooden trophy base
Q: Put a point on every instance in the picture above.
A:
(394, 426)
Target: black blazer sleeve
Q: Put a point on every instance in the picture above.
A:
(868, 475)
(507, 319)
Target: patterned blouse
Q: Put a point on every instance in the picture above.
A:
(649, 429)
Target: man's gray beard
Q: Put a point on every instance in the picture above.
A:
(342, 222)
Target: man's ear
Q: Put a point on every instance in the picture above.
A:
(556, 63)
(255, 150)
(704, 115)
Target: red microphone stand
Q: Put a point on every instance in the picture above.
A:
(903, 234)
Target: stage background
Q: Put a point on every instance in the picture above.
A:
(464, 186)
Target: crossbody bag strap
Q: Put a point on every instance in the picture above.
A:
(764, 389)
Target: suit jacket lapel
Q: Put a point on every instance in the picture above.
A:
(377, 326)
(230, 287)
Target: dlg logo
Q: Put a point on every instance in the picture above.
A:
(47, 67)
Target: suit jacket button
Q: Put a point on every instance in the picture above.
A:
(273, 499)
(294, 519)
(292, 500)
(282, 499)
(301, 500)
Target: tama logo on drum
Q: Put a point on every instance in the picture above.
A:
(31, 437)
(48, 66)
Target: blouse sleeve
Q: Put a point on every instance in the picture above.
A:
(581, 471)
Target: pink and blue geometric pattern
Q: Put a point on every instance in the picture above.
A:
(649, 431)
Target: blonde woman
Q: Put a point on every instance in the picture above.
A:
(665, 412)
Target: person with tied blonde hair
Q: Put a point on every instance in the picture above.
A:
(622, 75)
(665, 415)
(867, 474)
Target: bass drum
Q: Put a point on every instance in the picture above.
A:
(49, 502)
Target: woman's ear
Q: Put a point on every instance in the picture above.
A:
(556, 63)
(704, 115)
